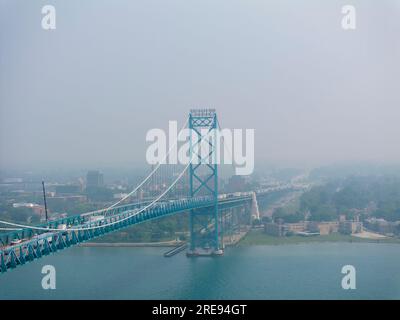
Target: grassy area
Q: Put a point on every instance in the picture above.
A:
(259, 237)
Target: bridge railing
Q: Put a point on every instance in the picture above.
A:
(84, 229)
(79, 219)
(85, 219)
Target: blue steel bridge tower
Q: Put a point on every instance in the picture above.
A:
(203, 182)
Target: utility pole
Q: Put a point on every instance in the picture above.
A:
(45, 202)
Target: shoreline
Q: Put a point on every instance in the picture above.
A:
(255, 238)
(370, 235)
(164, 244)
(258, 237)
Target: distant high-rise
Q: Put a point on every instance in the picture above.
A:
(94, 178)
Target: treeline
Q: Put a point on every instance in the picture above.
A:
(377, 196)
(159, 230)
(26, 215)
(18, 215)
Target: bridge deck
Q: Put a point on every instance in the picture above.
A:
(20, 247)
(28, 244)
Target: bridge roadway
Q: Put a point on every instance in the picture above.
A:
(21, 246)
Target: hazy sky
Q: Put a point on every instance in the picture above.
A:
(87, 92)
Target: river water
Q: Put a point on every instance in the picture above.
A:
(302, 271)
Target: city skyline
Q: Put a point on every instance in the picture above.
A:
(314, 93)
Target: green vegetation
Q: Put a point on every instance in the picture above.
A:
(266, 201)
(259, 237)
(74, 208)
(284, 214)
(25, 215)
(378, 196)
(153, 231)
(18, 215)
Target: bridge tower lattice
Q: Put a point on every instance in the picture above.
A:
(203, 181)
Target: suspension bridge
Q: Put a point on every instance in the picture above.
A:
(204, 203)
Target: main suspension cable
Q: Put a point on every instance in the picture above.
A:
(111, 223)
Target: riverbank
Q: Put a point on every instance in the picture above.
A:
(172, 243)
(369, 235)
(259, 237)
(234, 239)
